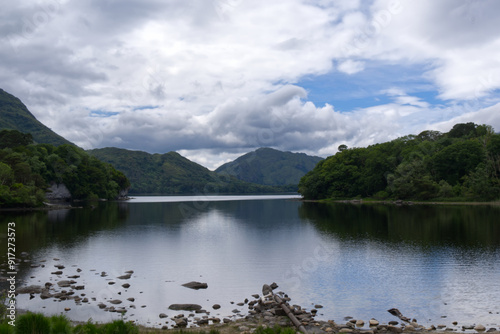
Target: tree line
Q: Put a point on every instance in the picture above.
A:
(462, 164)
(27, 170)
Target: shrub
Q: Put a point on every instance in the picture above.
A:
(32, 323)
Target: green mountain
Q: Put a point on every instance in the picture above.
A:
(461, 165)
(268, 166)
(15, 116)
(171, 173)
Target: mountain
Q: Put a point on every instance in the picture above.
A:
(15, 116)
(268, 166)
(171, 173)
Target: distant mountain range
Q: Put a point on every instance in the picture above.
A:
(171, 173)
(265, 170)
(268, 166)
(15, 116)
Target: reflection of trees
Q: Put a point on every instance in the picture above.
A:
(38, 229)
(424, 225)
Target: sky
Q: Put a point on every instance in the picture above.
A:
(214, 79)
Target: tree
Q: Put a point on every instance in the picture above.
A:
(14, 138)
(342, 147)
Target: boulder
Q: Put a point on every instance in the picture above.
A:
(185, 307)
(195, 285)
(374, 322)
(216, 306)
(30, 289)
(479, 328)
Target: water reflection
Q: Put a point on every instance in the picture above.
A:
(424, 225)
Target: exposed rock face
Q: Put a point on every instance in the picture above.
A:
(57, 192)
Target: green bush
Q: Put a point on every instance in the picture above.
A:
(32, 323)
(59, 324)
(275, 330)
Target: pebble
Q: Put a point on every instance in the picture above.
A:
(479, 328)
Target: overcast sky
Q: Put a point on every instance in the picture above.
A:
(213, 79)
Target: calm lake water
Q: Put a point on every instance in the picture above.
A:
(437, 264)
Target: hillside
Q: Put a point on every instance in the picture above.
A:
(462, 165)
(27, 171)
(268, 166)
(171, 173)
(15, 116)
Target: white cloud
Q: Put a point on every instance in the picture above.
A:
(351, 66)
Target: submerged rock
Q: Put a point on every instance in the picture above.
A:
(185, 307)
(195, 285)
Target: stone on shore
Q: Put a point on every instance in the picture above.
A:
(480, 328)
(374, 322)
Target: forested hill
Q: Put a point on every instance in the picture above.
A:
(270, 167)
(15, 116)
(28, 170)
(171, 173)
(462, 164)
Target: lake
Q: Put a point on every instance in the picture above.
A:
(437, 264)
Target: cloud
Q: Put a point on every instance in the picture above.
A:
(213, 79)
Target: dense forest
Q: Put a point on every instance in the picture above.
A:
(462, 164)
(27, 170)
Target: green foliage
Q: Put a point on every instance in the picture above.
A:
(32, 323)
(27, 170)
(15, 116)
(171, 173)
(60, 324)
(267, 166)
(463, 163)
(119, 327)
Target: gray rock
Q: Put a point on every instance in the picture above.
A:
(126, 276)
(65, 284)
(195, 285)
(126, 285)
(30, 289)
(57, 192)
(185, 307)
(216, 306)
(163, 315)
(266, 289)
(115, 301)
(479, 328)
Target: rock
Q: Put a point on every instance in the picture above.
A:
(74, 276)
(126, 285)
(360, 323)
(318, 306)
(479, 328)
(274, 285)
(492, 329)
(57, 192)
(131, 299)
(240, 304)
(467, 327)
(255, 296)
(195, 285)
(441, 326)
(163, 315)
(65, 284)
(181, 322)
(409, 328)
(345, 330)
(202, 322)
(266, 289)
(126, 276)
(115, 301)
(374, 322)
(67, 309)
(30, 289)
(394, 329)
(243, 328)
(57, 272)
(185, 307)
(236, 311)
(393, 323)
(79, 287)
(59, 266)
(216, 306)
(226, 320)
